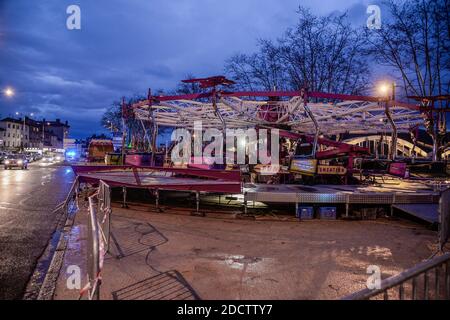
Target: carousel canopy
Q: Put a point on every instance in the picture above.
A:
(297, 110)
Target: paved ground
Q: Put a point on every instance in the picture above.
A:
(27, 221)
(176, 256)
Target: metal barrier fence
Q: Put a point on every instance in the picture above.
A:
(427, 280)
(98, 238)
(444, 218)
(104, 205)
(71, 201)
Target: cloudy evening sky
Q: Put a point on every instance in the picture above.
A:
(127, 46)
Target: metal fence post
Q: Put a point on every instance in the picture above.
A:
(94, 252)
(124, 191)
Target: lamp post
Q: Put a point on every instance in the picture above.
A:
(43, 132)
(24, 126)
(383, 89)
(394, 85)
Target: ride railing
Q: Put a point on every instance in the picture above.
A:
(425, 281)
(98, 239)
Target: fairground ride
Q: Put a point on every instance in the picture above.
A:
(314, 121)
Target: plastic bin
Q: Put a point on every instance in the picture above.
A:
(327, 213)
(305, 213)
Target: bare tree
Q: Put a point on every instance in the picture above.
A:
(138, 132)
(325, 54)
(415, 43)
(260, 71)
(322, 53)
(188, 88)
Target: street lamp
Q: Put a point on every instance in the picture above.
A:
(9, 92)
(24, 114)
(383, 90)
(43, 132)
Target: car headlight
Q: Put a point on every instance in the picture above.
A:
(20, 162)
(7, 162)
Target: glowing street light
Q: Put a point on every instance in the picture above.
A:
(383, 90)
(9, 92)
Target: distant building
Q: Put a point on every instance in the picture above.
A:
(55, 133)
(72, 145)
(28, 133)
(35, 131)
(1, 137)
(15, 133)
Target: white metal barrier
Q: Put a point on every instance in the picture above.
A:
(427, 280)
(431, 277)
(98, 239)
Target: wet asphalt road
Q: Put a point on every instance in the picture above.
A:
(27, 200)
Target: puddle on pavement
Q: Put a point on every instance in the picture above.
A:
(240, 262)
(75, 237)
(377, 252)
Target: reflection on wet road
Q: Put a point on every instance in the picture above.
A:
(27, 221)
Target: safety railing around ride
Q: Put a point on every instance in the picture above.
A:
(98, 239)
(427, 280)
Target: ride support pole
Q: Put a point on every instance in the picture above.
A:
(124, 192)
(157, 199)
(197, 202)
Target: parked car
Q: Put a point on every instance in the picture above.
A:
(29, 157)
(48, 158)
(58, 157)
(36, 156)
(16, 161)
(2, 157)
